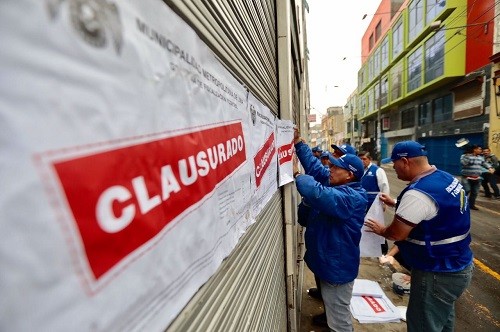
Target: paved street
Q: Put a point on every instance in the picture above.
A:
(479, 307)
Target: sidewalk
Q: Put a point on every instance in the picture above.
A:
(372, 270)
(487, 203)
(369, 269)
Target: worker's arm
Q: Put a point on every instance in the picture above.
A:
(398, 229)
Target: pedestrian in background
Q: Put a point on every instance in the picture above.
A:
(490, 179)
(472, 162)
(431, 227)
(333, 230)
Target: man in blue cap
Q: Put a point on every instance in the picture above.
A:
(339, 151)
(333, 228)
(325, 159)
(431, 227)
(317, 151)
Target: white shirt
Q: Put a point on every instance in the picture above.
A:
(416, 206)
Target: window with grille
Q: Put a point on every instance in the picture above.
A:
(415, 69)
(434, 56)
(415, 19)
(434, 7)
(384, 86)
(408, 118)
(397, 81)
(384, 52)
(397, 38)
(424, 113)
(376, 62)
(443, 108)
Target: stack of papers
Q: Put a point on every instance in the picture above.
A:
(365, 287)
(369, 304)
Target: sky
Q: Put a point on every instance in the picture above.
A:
(334, 32)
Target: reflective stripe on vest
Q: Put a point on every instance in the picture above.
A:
(372, 192)
(445, 241)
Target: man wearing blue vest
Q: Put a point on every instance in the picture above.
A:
(333, 227)
(374, 179)
(431, 227)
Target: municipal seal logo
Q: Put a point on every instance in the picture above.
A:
(95, 21)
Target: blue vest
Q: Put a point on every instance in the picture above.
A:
(369, 183)
(440, 244)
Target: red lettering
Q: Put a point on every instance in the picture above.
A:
(285, 153)
(374, 304)
(263, 158)
(122, 198)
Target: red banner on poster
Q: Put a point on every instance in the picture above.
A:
(122, 198)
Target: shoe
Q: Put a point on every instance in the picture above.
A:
(474, 208)
(320, 320)
(314, 293)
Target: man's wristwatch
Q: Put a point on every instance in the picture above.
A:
(296, 174)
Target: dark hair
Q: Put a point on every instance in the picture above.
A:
(364, 154)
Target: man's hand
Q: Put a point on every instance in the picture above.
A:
(386, 199)
(296, 136)
(375, 227)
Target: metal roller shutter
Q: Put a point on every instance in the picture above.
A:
(248, 291)
(468, 100)
(243, 35)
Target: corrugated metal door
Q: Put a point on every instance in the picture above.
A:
(248, 292)
(443, 153)
(243, 35)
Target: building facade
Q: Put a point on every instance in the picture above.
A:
(494, 129)
(426, 77)
(352, 125)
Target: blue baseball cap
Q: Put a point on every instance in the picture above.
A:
(349, 162)
(316, 149)
(344, 148)
(325, 154)
(405, 149)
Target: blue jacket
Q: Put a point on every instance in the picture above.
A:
(334, 225)
(440, 244)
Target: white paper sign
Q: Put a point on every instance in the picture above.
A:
(284, 131)
(263, 153)
(121, 131)
(369, 244)
(368, 309)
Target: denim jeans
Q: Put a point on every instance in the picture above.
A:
(471, 188)
(337, 298)
(431, 307)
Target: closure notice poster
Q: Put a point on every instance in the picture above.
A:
(121, 131)
(284, 130)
